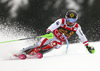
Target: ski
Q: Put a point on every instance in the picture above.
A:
(20, 57)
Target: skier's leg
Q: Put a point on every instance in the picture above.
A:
(26, 50)
(59, 43)
(42, 43)
(50, 47)
(29, 48)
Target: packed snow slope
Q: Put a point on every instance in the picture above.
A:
(76, 59)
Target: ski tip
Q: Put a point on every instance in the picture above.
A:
(15, 55)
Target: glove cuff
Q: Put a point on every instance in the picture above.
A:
(85, 43)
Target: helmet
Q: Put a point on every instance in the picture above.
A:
(71, 16)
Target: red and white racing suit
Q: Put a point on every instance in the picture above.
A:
(58, 28)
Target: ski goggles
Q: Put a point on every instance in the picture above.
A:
(71, 20)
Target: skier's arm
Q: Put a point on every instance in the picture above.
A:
(55, 25)
(83, 38)
(81, 35)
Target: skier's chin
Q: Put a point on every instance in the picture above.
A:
(70, 23)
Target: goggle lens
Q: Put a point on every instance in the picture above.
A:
(71, 20)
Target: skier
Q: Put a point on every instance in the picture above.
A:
(68, 26)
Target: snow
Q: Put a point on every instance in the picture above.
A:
(76, 59)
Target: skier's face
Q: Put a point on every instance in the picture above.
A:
(70, 23)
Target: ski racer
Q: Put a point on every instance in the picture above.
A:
(68, 26)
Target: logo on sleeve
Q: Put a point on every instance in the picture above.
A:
(57, 22)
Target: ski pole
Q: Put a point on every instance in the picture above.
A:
(48, 36)
(66, 42)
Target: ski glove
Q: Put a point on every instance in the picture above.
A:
(48, 32)
(49, 35)
(90, 49)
